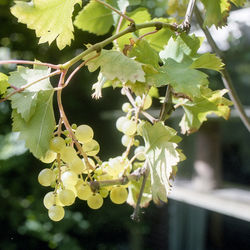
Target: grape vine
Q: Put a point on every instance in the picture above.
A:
(147, 54)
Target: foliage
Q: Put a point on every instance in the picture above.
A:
(147, 53)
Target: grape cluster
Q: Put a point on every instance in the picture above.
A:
(71, 174)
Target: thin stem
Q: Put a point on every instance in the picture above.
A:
(167, 106)
(226, 78)
(131, 28)
(149, 33)
(30, 84)
(53, 66)
(135, 215)
(132, 101)
(66, 122)
(189, 13)
(115, 10)
(78, 68)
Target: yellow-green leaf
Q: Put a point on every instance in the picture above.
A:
(4, 84)
(51, 19)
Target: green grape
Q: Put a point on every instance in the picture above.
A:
(104, 192)
(118, 195)
(136, 143)
(46, 177)
(84, 133)
(147, 102)
(98, 171)
(120, 121)
(129, 127)
(126, 140)
(74, 126)
(68, 154)
(95, 201)
(83, 191)
(116, 166)
(66, 197)
(69, 178)
(56, 213)
(56, 144)
(91, 148)
(72, 188)
(126, 107)
(49, 200)
(140, 152)
(49, 157)
(68, 140)
(77, 165)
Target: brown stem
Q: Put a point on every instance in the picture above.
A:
(115, 10)
(66, 122)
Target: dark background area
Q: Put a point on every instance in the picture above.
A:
(24, 221)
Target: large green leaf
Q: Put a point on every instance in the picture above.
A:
(180, 76)
(180, 46)
(95, 18)
(143, 53)
(159, 39)
(208, 61)
(217, 12)
(25, 102)
(4, 84)
(38, 131)
(116, 65)
(196, 112)
(51, 19)
(162, 155)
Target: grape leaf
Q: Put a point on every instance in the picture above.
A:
(208, 61)
(116, 65)
(4, 84)
(238, 2)
(95, 18)
(180, 46)
(140, 15)
(180, 76)
(25, 102)
(162, 155)
(211, 102)
(38, 131)
(159, 39)
(217, 12)
(50, 19)
(143, 53)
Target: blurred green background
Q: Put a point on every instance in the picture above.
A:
(24, 221)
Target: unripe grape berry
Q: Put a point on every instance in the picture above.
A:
(57, 144)
(126, 107)
(140, 152)
(46, 177)
(118, 195)
(126, 140)
(49, 157)
(84, 133)
(83, 191)
(104, 192)
(95, 201)
(77, 165)
(68, 154)
(69, 178)
(49, 200)
(120, 121)
(91, 148)
(129, 127)
(56, 213)
(66, 197)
